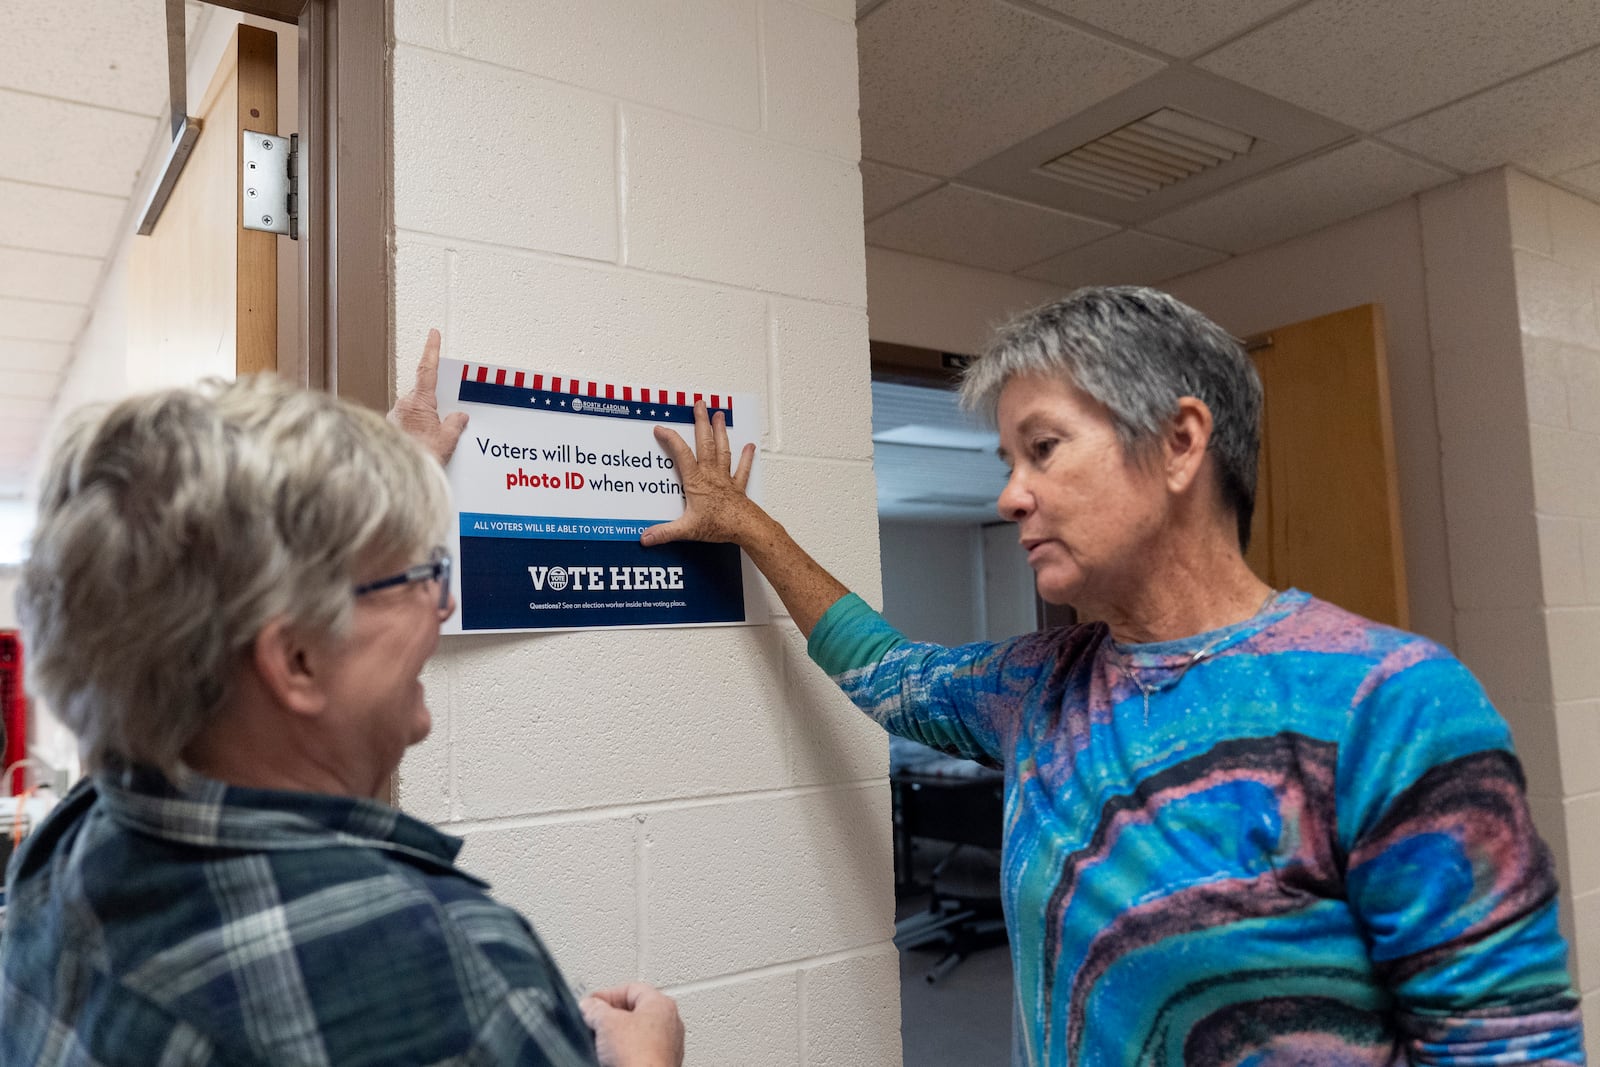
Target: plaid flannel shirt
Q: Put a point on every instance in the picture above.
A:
(183, 923)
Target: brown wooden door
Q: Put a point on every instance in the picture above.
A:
(1327, 514)
(202, 290)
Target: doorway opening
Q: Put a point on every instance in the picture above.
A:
(952, 574)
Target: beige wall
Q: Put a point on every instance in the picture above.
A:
(944, 306)
(667, 192)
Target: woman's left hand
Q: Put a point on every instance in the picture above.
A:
(417, 412)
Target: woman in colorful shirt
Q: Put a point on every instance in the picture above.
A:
(1241, 825)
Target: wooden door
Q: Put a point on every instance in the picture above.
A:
(202, 290)
(1327, 516)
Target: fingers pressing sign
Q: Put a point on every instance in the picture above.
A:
(715, 507)
(417, 412)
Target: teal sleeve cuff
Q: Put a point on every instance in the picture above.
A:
(851, 635)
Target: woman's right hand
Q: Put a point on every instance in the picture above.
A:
(715, 507)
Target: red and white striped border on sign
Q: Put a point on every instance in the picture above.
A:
(518, 379)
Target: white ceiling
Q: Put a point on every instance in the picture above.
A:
(1356, 103)
(83, 93)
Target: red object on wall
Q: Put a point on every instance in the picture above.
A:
(13, 709)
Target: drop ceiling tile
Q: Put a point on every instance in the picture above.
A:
(48, 275)
(1126, 258)
(58, 220)
(110, 54)
(74, 146)
(1371, 63)
(982, 230)
(1298, 199)
(1177, 27)
(884, 187)
(947, 83)
(33, 356)
(1546, 122)
(35, 320)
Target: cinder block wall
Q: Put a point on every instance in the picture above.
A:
(664, 192)
(1513, 268)
(1556, 253)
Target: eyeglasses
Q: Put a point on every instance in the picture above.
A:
(437, 569)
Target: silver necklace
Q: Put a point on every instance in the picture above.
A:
(1146, 688)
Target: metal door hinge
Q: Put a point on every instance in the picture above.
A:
(268, 185)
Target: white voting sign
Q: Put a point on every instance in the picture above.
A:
(554, 480)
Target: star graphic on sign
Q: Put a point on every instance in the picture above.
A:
(546, 401)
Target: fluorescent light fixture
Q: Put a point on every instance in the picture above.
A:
(16, 526)
(951, 500)
(938, 437)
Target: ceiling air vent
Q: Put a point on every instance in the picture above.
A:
(1147, 155)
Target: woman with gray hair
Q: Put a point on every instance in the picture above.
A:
(231, 595)
(1241, 824)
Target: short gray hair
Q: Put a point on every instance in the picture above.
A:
(174, 526)
(1137, 351)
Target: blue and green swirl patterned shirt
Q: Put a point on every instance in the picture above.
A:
(1310, 846)
(179, 924)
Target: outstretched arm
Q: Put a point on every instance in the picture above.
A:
(921, 691)
(417, 412)
(716, 508)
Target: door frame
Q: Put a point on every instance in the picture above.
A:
(347, 211)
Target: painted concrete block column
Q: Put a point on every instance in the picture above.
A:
(668, 192)
(1556, 238)
(1514, 309)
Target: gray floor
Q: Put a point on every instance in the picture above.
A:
(963, 1019)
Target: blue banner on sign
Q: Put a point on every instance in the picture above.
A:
(521, 583)
(577, 404)
(478, 524)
